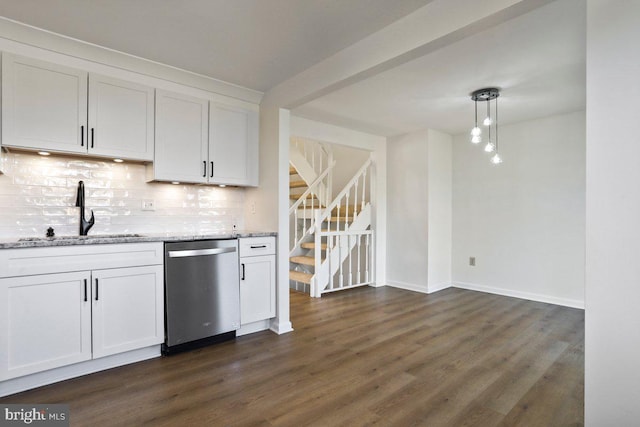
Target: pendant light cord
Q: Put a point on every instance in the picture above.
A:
(496, 122)
(476, 103)
(489, 116)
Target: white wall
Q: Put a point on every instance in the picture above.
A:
(419, 211)
(407, 211)
(612, 377)
(348, 162)
(271, 200)
(37, 192)
(439, 187)
(523, 220)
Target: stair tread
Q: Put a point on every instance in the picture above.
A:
(300, 276)
(311, 245)
(309, 197)
(341, 218)
(297, 184)
(302, 259)
(292, 171)
(349, 208)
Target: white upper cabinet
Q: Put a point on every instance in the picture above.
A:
(44, 105)
(55, 108)
(198, 141)
(181, 138)
(233, 145)
(120, 118)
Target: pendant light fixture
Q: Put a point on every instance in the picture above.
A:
(487, 95)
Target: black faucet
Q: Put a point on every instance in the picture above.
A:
(84, 224)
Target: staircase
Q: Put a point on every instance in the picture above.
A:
(331, 239)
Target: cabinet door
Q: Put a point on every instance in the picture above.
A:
(44, 105)
(128, 309)
(233, 145)
(45, 322)
(181, 138)
(120, 118)
(257, 288)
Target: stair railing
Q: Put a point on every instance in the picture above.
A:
(349, 194)
(304, 208)
(349, 250)
(318, 154)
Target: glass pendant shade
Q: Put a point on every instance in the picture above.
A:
(490, 147)
(496, 159)
(487, 121)
(476, 131)
(476, 139)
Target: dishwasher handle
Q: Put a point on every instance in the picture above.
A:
(200, 252)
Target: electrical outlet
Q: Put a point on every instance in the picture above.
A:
(472, 261)
(148, 205)
(253, 207)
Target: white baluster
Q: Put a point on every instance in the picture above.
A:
(364, 183)
(330, 243)
(366, 267)
(347, 208)
(317, 238)
(359, 258)
(295, 232)
(349, 237)
(355, 201)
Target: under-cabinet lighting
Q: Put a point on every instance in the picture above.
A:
(222, 185)
(118, 160)
(44, 153)
(175, 182)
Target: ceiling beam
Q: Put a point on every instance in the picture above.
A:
(432, 27)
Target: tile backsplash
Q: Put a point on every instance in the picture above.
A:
(38, 192)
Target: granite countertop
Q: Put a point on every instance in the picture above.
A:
(97, 239)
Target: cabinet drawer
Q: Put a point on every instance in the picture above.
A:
(255, 246)
(61, 259)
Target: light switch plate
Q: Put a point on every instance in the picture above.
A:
(148, 205)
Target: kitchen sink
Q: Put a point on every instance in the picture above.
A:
(93, 236)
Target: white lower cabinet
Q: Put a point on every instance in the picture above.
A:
(53, 319)
(127, 309)
(45, 322)
(257, 279)
(257, 288)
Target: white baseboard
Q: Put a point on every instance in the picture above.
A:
(260, 325)
(520, 294)
(439, 287)
(417, 288)
(408, 287)
(281, 327)
(51, 376)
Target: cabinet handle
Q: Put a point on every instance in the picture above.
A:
(204, 173)
(242, 278)
(91, 137)
(211, 169)
(96, 289)
(258, 246)
(85, 290)
(82, 136)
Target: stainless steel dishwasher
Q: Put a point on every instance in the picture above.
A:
(202, 293)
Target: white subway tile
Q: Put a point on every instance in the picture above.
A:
(37, 192)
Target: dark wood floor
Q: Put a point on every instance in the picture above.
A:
(367, 356)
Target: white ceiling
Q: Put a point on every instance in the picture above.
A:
(537, 59)
(253, 43)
